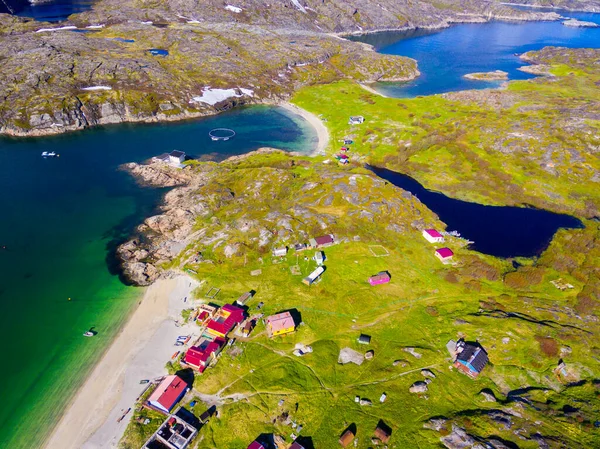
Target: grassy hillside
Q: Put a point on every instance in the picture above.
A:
(534, 143)
(251, 204)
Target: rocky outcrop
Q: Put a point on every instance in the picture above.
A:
(92, 78)
(579, 24)
(247, 203)
(158, 174)
(418, 387)
(497, 75)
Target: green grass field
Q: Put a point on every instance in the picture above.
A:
(524, 322)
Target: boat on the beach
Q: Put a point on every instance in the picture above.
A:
(49, 154)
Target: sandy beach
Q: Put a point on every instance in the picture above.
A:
(140, 351)
(315, 122)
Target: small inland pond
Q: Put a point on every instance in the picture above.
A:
(501, 231)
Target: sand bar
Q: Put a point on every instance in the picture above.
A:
(140, 351)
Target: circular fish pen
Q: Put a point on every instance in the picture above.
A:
(221, 134)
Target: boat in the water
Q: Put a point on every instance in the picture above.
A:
(88, 334)
(49, 154)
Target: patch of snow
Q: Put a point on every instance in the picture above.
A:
(234, 9)
(95, 27)
(147, 23)
(70, 27)
(195, 22)
(97, 88)
(214, 96)
(298, 6)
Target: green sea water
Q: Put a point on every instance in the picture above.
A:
(60, 220)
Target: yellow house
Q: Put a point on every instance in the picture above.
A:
(280, 324)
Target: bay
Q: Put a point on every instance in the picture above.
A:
(445, 56)
(61, 219)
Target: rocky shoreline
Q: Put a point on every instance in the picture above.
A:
(142, 88)
(161, 238)
(579, 24)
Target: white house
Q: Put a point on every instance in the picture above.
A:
(280, 252)
(356, 120)
(176, 157)
(319, 257)
(433, 236)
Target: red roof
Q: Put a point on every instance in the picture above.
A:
(444, 252)
(324, 240)
(168, 392)
(296, 445)
(236, 316)
(256, 445)
(198, 355)
(433, 233)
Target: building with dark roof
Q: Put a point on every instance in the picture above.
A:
(364, 339)
(176, 157)
(471, 358)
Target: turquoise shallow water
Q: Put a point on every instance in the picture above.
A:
(444, 56)
(60, 221)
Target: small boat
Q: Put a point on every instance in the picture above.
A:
(88, 334)
(49, 154)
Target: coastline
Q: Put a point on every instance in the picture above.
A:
(139, 351)
(323, 136)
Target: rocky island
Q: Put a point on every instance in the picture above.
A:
(579, 24)
(496, 75)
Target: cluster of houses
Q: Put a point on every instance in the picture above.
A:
(342, 156)
(175, 158)
(219, 322)
(179, 428)
(433, 236)
(318, 243)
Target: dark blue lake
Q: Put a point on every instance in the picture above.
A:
(498, 231)
(444, 56)
(48, 11)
